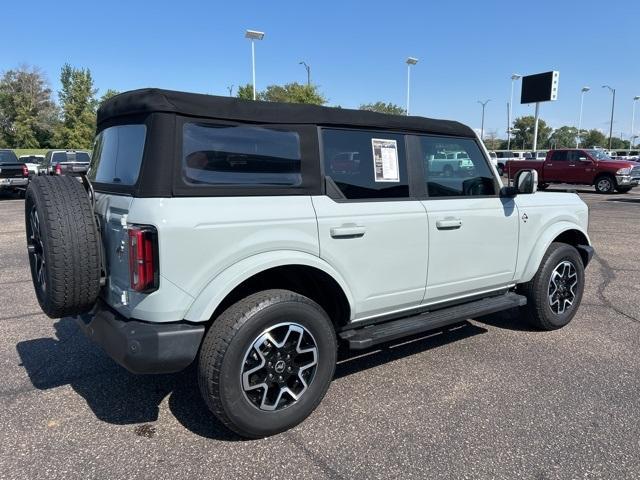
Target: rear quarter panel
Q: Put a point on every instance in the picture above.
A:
(199, 238)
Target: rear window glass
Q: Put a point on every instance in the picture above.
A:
(240, 155)
(7, 156)
(366, 165)
(117, 154)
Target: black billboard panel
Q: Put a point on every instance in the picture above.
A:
(541, 87)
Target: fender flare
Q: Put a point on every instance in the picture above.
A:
(542, 245)
(223, 283)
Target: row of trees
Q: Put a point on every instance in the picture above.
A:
(30, 118)
(563, 137)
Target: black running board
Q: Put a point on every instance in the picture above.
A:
(365, 337)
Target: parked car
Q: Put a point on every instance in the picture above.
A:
(449, 163)
(32, 162)
(14, 175)
(66, 162)
(234, 234)
(582, 167)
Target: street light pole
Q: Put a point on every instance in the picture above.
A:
(484, 104)
(308, 72)
(230, 88)
(633, 119)
(613, 106)
(514, 77)
(253, 35)
(410, 61)
(584, 90)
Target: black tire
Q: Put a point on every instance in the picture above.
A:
(61, 230)
(500, 170)
(605, 184)
(623, 189)
(225, 356)
(539, 311)
(447, 171)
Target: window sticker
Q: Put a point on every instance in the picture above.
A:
(385, 160)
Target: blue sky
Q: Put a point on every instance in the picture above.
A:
(356, 49)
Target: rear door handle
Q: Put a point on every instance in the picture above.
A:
(348, 231)
(449, 224)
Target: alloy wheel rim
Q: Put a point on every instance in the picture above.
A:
(604, 184)
(279, 366)
(35, 247)
(562, 287)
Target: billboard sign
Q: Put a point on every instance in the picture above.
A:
(541, 87)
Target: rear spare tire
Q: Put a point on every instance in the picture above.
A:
(63, 245)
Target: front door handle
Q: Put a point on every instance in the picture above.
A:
(449, 224)
(348, 231)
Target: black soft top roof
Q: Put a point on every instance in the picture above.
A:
(149, 100)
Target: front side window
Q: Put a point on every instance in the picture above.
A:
(455, 167)
(240, 155)
(117, 155)
(366, 165)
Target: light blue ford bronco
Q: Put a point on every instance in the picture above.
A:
(254, 238)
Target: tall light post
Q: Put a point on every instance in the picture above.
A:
(230, 88)
(633, 120)
(308, 72)
(613, 106)
(484, 104)
(253, 35)
(410, 61)
(583, 91)
(514, 77)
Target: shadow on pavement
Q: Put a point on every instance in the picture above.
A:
(624, 200)
(507, 320)
(121, 398)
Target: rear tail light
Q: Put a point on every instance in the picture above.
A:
(58, 169)
(25, 171)
(143, 258)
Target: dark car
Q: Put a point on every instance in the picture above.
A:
(65, 162)
(14, 175)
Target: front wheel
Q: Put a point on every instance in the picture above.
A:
(554, 293)
(266, 362)
(623, 189)
(605, 184)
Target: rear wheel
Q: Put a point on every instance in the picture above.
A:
(605, 184)
(266, 362)
(555, 292)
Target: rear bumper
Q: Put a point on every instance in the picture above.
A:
(142, 347)
(12, 183)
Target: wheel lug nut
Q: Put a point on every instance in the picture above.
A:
(280, 378)
(271, 375)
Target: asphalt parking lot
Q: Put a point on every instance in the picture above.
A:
(488, 399)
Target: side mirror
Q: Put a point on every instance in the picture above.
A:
(526, 181)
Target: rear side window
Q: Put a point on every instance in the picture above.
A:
(464, 171)
(560, 156)
(240, 155)
(7, 156)
(117, 154)
(366, 165)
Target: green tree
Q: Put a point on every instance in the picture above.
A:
(78, 102)
(563, 137)
(108, 94)
(594, 138)
(382, 107)
(491, 140)
(27, 112)
(523, 138)
(293, 93)
(245, 92)
(618, 143)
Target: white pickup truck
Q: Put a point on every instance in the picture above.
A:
(254, 238)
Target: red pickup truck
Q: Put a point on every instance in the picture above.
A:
(581, 167)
